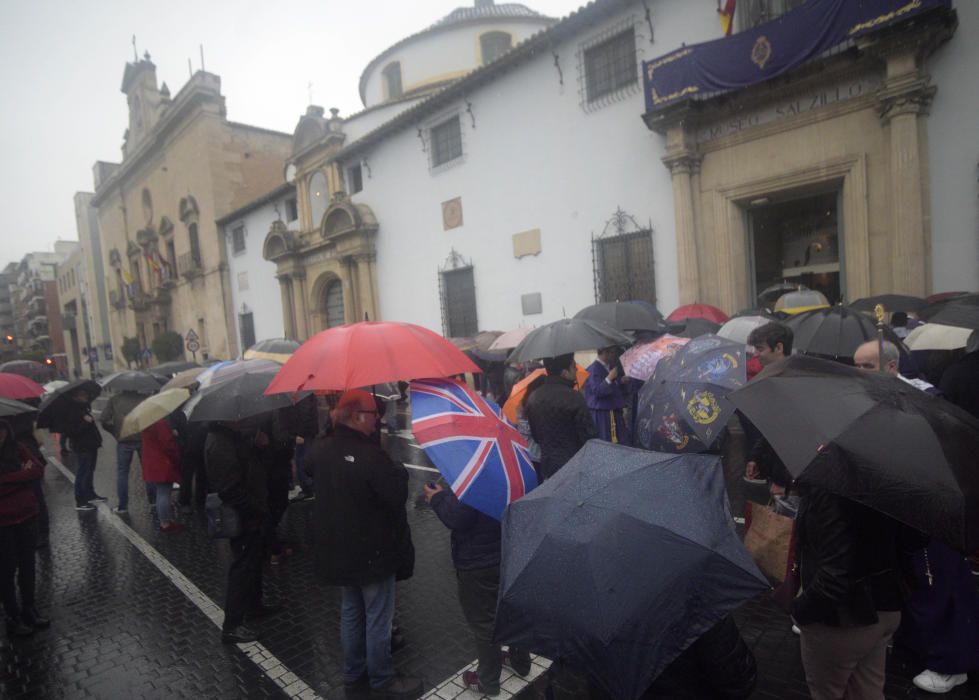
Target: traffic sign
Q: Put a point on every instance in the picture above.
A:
(192, 337)
(193, 346)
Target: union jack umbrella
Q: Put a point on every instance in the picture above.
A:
(482, 457)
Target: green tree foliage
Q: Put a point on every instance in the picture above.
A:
(168, 346)
(130, 351)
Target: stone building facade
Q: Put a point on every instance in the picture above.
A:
(184, 166)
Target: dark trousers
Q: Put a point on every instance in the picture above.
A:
(477, 594)
(43, 520)
(17, 543)
(193, 482)
(244, 593)
(85, 475)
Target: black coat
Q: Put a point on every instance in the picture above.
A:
(560, 423)
(82, 434)
(359, 519)
(960, 383)
(475, 536)
(235, 471)
(850, 561)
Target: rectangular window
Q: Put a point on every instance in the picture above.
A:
(238, 239)
(292, 209)
(750, 13)
(459, 291)
(624, 267)
(355, 178)
(247, 324)
(446, 141)
(610, 65)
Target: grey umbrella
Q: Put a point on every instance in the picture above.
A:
(566, 336)
(620, 562)
(238, 399)
(624, 316)
(132, 380)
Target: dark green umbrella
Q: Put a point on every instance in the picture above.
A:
(620, 561)
(872, 438)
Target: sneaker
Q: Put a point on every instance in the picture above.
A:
(399, 688)
(120, 511)
(796, 630)
(98, 499)
(84, 507)
(172, 527)
(239, 635)
(470, 679)
(939, 682)
(522, 664)
(300, 497)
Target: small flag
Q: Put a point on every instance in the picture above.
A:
(727, 17)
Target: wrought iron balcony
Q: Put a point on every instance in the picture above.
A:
(190, 265)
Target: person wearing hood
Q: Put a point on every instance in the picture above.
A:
(19, 472)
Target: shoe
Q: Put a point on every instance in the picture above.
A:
(360, 682)
(84, 507)
(796, 630)
(16, 628)
(173, 527)
(471, 680)
(239, 635)
(399, 687)
(36, 621)
(120, 511)
(521, 667)
(98, 499)
(300, 497)
(939, 682)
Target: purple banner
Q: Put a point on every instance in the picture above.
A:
(770, 49)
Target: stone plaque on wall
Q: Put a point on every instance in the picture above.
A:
(531, 304)
(526, 243)
(452, 214)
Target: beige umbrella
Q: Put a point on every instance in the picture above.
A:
(185, 379)
(153, 409)
(937, 336)
(510, 339)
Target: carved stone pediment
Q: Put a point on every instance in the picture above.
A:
(279, 242)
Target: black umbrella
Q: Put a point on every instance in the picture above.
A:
(168, 369)
(621, 561)
(132, 380)
(683, 407)
(566, 336)
(49, 413)
(624, 316)
(836, 332)
(10, 408)
(963, 314)
(890, 302)
(928, 313)
(692, 327)
(873, 438)
(238, 398)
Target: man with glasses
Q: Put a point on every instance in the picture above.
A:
(358, 522)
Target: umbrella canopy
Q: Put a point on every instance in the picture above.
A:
(168, 369)
(621, 561)
(836, 332)
(132, 380)
(623, 316)
(49, 412)
(276, 349)
(185, 379)
(17, 386)
(369, 353)
(705, 311)
(739, 328)
(152, 409)
(510, 339)
(230, 369)
(944, 296)
(769, 295)
(693, 327)
(801, 300)
(890, 302)
(238, 398)
(959, 312)
(639, 361)
(938, 304)
(874, 439)
(54, 385)
(566, 336)
(10, 408)
(24, 367)
(683, 407)
(519, 390)
(935, 336)
(482, 457)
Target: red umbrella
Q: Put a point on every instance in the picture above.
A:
(17, 387)
(711, 313)
(368, 353)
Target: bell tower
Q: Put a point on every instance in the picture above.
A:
(144, 99)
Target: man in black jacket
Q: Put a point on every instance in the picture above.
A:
(85, 440)
(235, 471)
(558, 415)
(476, 555)
(358, 522)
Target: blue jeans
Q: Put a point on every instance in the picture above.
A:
(124, 459)
(366, 614)
(85, 475)
(164, 508)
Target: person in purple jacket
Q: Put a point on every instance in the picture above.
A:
(607, 394)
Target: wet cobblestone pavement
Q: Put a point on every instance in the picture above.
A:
(136, 613)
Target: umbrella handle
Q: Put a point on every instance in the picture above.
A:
(879, 313)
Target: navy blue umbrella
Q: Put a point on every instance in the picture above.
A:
(621, 561)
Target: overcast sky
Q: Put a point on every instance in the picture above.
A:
(61, 66)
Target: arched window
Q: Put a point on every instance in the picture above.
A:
(318, 197)
(494, 44)
(195, 245)
(333, 304)
(392, 80)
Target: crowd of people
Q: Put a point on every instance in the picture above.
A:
(855, 564)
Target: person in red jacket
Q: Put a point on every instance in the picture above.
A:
(19, 471)
(161, 468)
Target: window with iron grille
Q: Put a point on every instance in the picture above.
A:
(610, 65)
(459, 299)
(246, 322)
(446, 141)
(356, 178)
(238, 239)
(623, 263)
